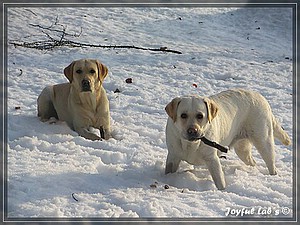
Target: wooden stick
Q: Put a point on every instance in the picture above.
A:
(214, 144)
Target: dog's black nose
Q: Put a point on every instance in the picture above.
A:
(85, 84)
(192, 131)
(193, 134)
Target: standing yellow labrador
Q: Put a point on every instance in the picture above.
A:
(234, 118)
(82, 102)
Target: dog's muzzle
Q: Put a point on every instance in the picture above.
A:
(193, 134)
(85, 85)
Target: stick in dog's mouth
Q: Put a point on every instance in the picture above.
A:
(214, 144)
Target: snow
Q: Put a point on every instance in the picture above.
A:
(53, 172)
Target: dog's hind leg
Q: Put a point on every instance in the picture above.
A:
(45, 105)
(243, 150)
(265, 146)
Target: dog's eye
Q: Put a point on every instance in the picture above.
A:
(92, 71)
(79, 71)
(199, 116)
(184, 116)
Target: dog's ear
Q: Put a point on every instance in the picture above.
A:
(68, 71)
(212, 109)
(102, 70)
(171, 108)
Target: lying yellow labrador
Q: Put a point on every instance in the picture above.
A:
(234, 118)
(82, 102)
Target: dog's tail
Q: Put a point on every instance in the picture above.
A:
(279, 133)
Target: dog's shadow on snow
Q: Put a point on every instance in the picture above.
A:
(31, 188)
(24, 125)
(192, 180)
(198, 178)
(187, 178)
(74, 186)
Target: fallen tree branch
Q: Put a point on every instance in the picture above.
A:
(63, 32)
(60, 41)
(48, 45)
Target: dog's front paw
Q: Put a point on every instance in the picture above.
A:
(90, 133)
(95, 131)
(105, 133)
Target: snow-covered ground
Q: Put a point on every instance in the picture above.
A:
(53, 172)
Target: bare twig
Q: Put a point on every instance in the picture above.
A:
(61, 41)
(21, 72)
(46, 45)
(31, 11)
(74, 197)
(63, 32)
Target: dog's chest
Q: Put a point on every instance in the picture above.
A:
(88, 109)
(89, 101)
(191, 152)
